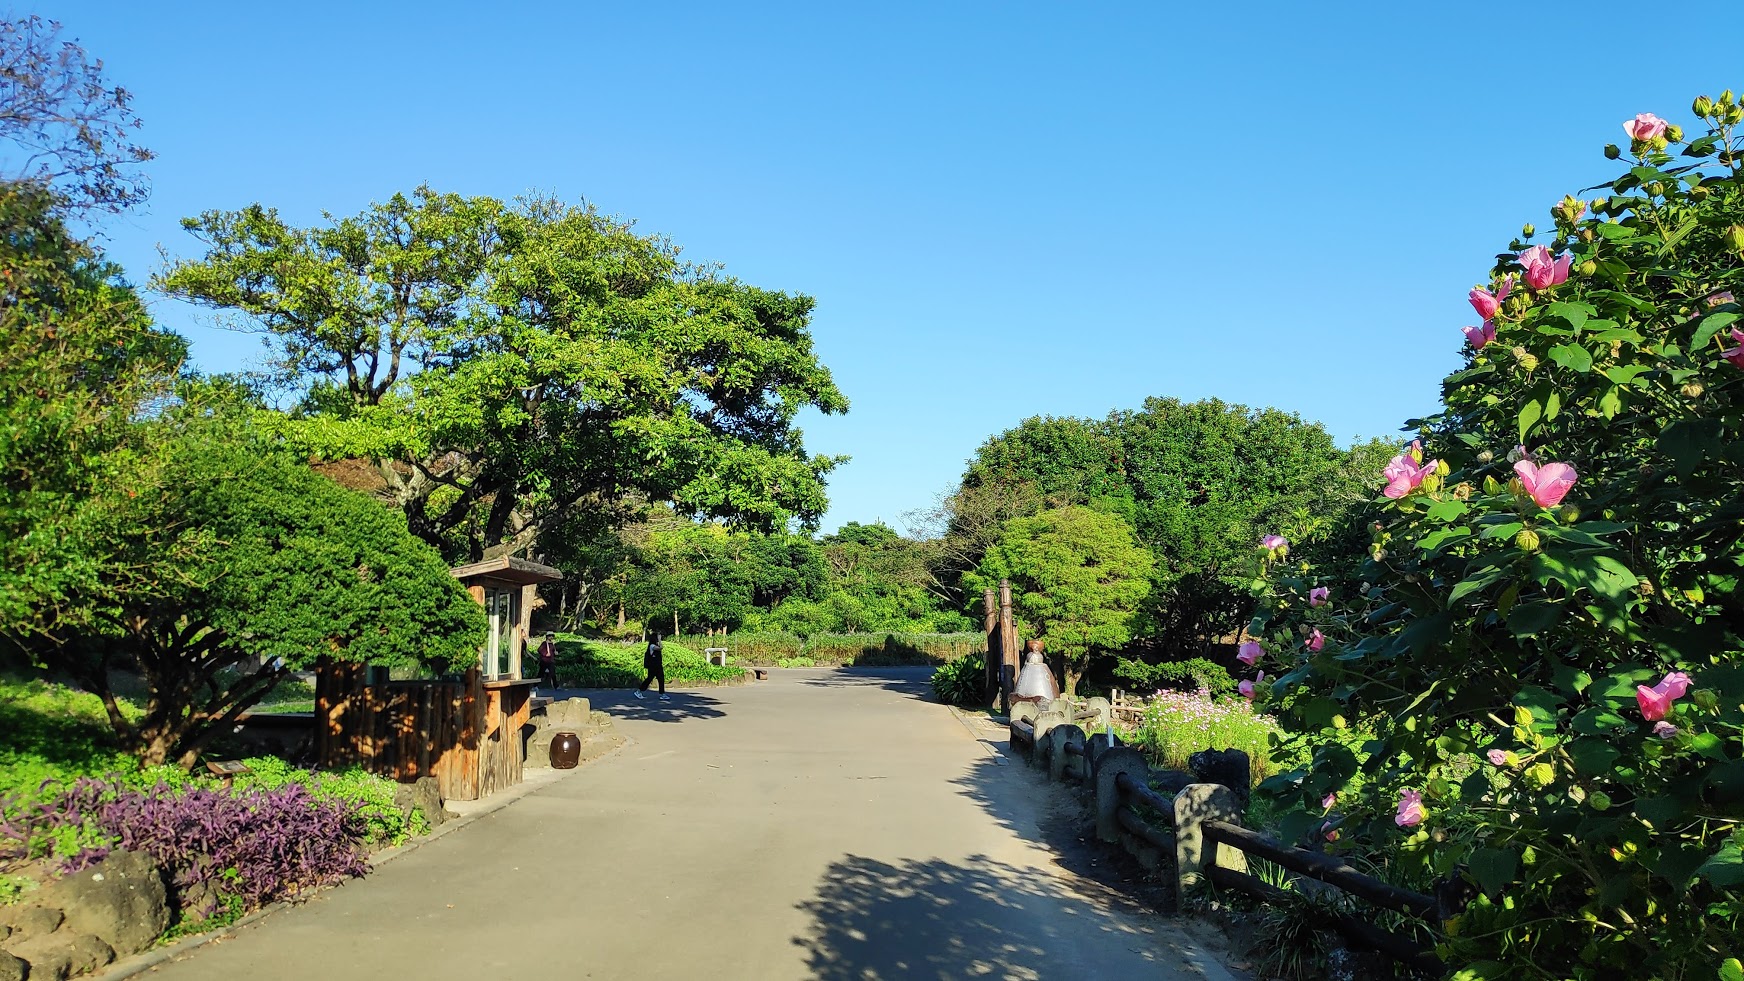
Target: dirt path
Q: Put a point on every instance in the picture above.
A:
(822, 824)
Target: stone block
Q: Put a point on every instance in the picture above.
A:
(32, 920)
(571, 713)
(121, 901)
(1109, 767)
(61, 955)
(600, 720)
(1060, 762)
(11, 968)
(1229, 767)
(1196, 804)
(425, 796)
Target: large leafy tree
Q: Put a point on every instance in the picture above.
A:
(504, 365)
(78, 358)
(228, 563)
(1078, 578)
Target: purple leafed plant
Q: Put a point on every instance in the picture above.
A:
(257, 845)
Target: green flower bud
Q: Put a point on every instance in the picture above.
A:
(1541, 774)
(1569, 514)
(1527, 540)
(1611, 151)
(1492, 485)
(1528, 230)
(1655, 188)
(1692, 389)
(1699, 192)
(1705, 699)
(1726, 97)
(1599, 800)
(1702, 106)
(1674, 133)
(1588, 269)
(1522, 715)
(1733, 237)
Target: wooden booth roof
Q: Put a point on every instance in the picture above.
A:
(507, 568)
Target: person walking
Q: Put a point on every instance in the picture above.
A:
(548, 661)
(654, 662)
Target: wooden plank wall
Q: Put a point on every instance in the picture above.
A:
(466, 736)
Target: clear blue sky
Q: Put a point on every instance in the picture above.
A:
(1003, 209)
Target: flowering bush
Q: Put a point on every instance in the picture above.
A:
(1546, 644)
(1178, 724)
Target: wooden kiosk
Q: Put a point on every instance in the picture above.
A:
(467, 732)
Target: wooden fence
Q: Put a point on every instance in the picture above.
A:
(1196, 818)
(467, 734)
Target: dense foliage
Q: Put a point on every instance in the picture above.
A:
(1077, 579)
(962, 682)
(1542, 657)
(503, 368)
(234, 563)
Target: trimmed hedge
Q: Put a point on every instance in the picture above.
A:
(880, 649)
(604, 664)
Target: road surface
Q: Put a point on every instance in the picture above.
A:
(822, 824)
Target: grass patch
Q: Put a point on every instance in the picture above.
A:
(583, 663)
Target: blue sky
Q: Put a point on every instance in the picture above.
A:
(1003, 209)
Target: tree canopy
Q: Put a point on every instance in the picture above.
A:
(1077, 579)
(502, 365)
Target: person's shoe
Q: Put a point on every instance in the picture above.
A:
(639, 694)
(666, 698)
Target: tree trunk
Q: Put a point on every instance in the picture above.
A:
(1072, 675)
(675, 623)
(620, 615)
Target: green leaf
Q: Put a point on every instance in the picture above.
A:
(1687, 441)
(1505, 530)
(1726, 866)
(1661, 812)
(1493, 868)
(1552, 406)
(1575, 313)
(1436, 539)
(1598, 721)
(1447, 510)
(1611, 403)
(1472, 585)
(1592, 757)
(1623, 374)
(1528, 619)
(1572, 356)
(1529, 416)
(1677, 235)
(1711, 324)
(1731, 969)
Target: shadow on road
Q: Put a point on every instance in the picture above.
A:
(915, 682)
(623, 704)
(933, 919)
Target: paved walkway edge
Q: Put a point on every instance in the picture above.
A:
(138, 964)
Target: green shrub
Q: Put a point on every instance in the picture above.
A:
(373, 796)
(962, 682)
(888, 649)
(752, 648)
(1194, 674)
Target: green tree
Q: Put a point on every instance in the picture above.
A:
(1077, 579)
(227, 564)
(78, 358)
(503, 365)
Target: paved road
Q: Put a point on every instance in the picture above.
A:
(818, 825)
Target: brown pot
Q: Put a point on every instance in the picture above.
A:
(565, 751)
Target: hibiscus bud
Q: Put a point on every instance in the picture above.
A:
(1726, 98)
(1674, 133)
(1655, 188)
(1588, 268)
(1541, 774)
(1492, 485)
(1528, 230)
(1693, 389)
(1527, 540)
(1702, 106)
(1569, 514)
(1463, 491)
(1611, 151)
(1733, 237)
(1522, 715)
(1442, 469)
(1699, 192)
(1705, 700)
(1486, 456)
(1376, 552)
(1599, 800)
(1527, 359)
(1585, 235)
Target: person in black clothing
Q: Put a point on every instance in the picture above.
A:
(654, 662)
(548, 660)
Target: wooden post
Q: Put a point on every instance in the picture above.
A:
(990, 623)
(1007, 647)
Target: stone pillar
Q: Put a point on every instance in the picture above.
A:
(1007, 646)
(1196, 804)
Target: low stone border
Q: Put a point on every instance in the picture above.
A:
(140, 963)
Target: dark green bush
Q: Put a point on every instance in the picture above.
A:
(763, 648)
(881, 649)
(962, 682)
(1189, 675)
(602, 664)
